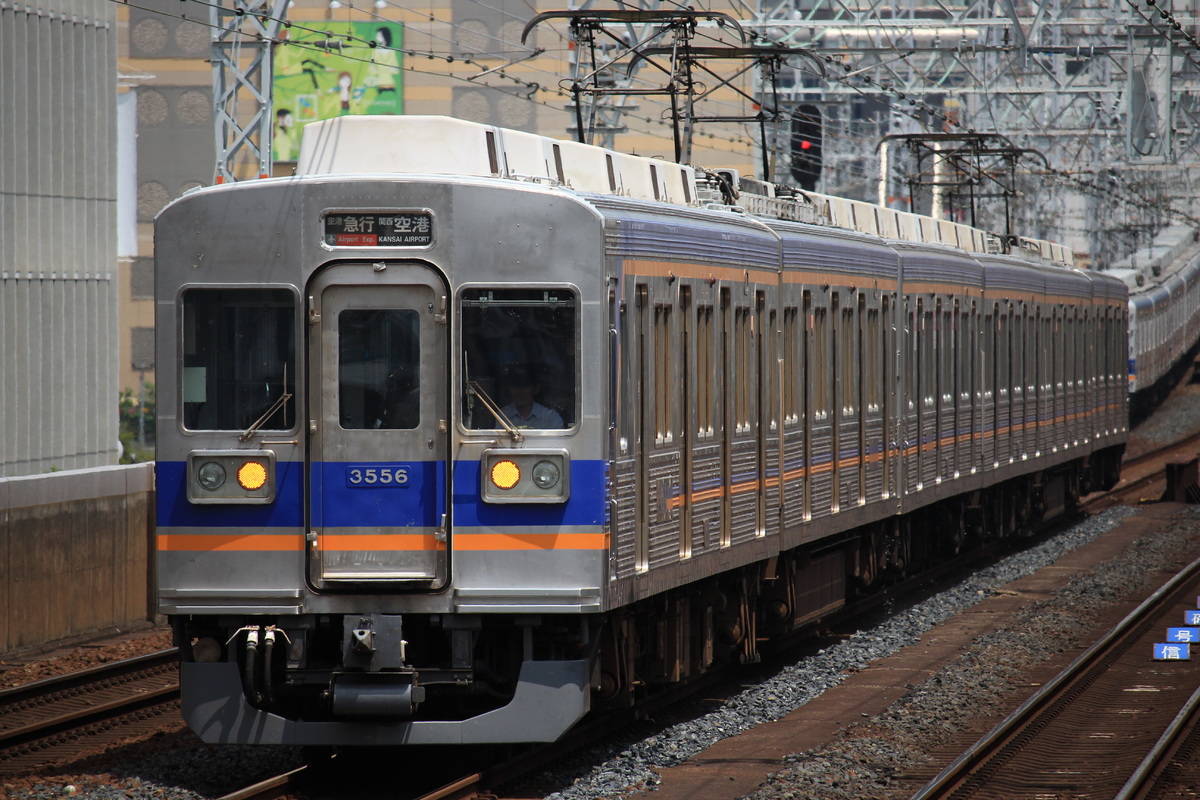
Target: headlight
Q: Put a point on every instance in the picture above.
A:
(525, 475)
(209, 473)
(505, 474)
(211, 476)
(252, 475)
(545, 475)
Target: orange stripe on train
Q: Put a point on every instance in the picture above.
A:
(230, 542)
(383, 542)
(530, 541)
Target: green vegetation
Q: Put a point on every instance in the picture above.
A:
(137, 426)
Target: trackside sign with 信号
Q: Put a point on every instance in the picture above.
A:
(1172, 651)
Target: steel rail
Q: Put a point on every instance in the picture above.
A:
(992, 744)
(1144, 778)
(42, 696)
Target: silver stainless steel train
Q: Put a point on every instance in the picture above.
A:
(472, 430)
(1164, 313)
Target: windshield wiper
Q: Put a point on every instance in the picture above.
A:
(491, 406)
(258, 423)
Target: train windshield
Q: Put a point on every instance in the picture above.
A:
(379, 368)
(519, 358)
(239, 359)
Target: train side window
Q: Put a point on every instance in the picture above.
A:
(520, 352)
(821, 365)
(947, 378)
(912, 377)
(664, 366)
(1019, 344)
(791, 366)
(873, 359)
(239, 359)
(1003, 354)
(847, 382)
(770, 337)
(705, 370)
(742, 369)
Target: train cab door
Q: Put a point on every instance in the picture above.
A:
(378, 441)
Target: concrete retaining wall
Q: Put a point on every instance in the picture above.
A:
(75, 554)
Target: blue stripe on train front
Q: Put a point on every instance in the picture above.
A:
(585, 507)
(174, 510)
(349, 506)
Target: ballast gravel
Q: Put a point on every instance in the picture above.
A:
(867, 758)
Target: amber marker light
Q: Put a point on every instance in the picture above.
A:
(505, 474)
(252, 475)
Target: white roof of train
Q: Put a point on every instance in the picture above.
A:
(446, 146)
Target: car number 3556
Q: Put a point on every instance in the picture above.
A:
(376, 475)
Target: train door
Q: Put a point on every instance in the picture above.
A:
(789, 417)
(1056, 379)
(764, 343)
(643, 438)
(885, 389)
(966, 350)
(911, 403)
(1000, 394)
(944, 392)
(687, 410)
(925, 387)
(848, 401)
(867, 372)
(1018, 380)
(806, 403)
(838, 383)
(1043, 374)
(728, 386)
(378, 426)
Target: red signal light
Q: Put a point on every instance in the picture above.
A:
(806, 145)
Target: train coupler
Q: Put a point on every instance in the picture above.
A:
(385, 694)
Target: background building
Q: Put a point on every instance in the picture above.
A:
(459, 57)
(58, 236)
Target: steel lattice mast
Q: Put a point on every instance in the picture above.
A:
(1107, 93)
(244, 36)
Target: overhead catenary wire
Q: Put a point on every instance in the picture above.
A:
(861, 83)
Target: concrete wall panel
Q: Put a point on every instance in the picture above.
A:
(58, 268)
(75, 554)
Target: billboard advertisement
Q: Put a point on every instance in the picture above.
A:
(333, 72)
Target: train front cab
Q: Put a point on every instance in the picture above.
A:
(359, 541)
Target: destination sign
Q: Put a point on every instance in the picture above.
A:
(379, 229)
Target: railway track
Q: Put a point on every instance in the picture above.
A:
(51, 719)
(1087, 731)
(1143, 476)
(492, 779)
(1168, 762)
(1146, 472)
(57, 718)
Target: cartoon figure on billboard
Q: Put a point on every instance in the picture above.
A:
(383, 73)
(346, 68)
(284, 144)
